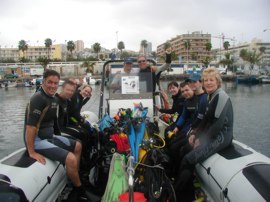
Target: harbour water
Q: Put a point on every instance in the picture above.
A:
(250, 103)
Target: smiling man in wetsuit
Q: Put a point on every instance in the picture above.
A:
(39, 135)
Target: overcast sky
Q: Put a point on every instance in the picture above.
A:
(130, 21)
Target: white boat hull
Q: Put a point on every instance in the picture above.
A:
(38, 182)
(266, 80)
(237, 174)
(92, 81)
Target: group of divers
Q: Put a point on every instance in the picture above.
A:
(203, 127)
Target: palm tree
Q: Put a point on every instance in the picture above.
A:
(144, 45)
(243, 54)
(89, 66)
(226, 45)
(208, 46)
(262, 50)
(187, 47)
(43, 61)
(97, 48)
(228, 61)
(23, 46)
(251, 56)
(206, 61)
(174, 56)
(71, 47)
(154, 54)
(121, 46)
(126, 54)
(48, 44)
(167, 45)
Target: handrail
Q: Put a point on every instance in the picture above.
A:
(100, 113)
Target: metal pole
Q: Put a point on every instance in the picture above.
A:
(130, 171)
(65, 50)
(116, 44)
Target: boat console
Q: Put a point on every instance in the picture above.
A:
(127, 89)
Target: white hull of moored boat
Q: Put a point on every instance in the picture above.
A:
(37, 181)
(238, 173)
(92, 81)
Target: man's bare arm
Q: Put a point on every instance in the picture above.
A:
(31, 132)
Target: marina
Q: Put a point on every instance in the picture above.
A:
(250, 107)
(140, 106)
(243, 97)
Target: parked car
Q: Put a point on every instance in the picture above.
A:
(11, 76)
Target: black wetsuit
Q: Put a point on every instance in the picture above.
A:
(75, 120)
(202, 104)
(75, 105)
(215, 133)
(72, 129)
(62, 117)
(188, 114)
(180, 146)
(155, 75)
(41, 113)
(146, 75)
(177, 106)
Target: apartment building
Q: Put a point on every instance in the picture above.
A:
(34, 52)
(235, 50)
(79, 45)
(60, 51)
(9, 53)
(57, 51)
(197, 52)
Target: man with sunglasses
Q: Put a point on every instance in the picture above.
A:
(155, 70)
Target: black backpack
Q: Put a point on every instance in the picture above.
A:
(157, 186)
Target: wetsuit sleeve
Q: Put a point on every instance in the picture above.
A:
(201, 111)
(180, 121)
(166, 65)
(179, 105)
(168, 59)
(167, 111)
(36, 106)
(74, 109)
(85, 100)
(176, 107)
